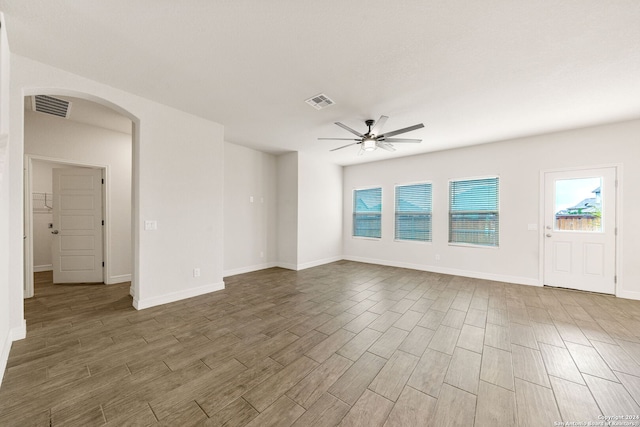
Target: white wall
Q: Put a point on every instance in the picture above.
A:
(295, 218)
(319, 212)
(8, 325)
(309, 211)
(181, 173)
(55, 137)
(287, 209)
(250, 208)
(518, 163)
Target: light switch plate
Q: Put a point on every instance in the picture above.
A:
(532, 227)
(150, 225)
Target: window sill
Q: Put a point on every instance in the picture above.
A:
(471, 245)
(419, 242)
(375, 239)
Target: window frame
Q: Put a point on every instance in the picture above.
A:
(353, 212)
(395, 213)
(497, 212)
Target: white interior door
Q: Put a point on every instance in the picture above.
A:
(580, 229)
(77, 225)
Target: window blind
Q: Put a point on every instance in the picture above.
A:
(413, 212)
(473, 211)
(367, 212)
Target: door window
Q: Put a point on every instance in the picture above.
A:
(578, 204)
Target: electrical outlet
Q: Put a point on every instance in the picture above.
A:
(196, 272)
(437, 257)
(261, 254)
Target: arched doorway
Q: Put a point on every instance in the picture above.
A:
(78, 130)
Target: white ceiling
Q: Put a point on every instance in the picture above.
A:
(472, 71)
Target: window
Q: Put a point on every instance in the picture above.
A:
(578, 204)
(367, 212)
(413, 212)
(473, 211)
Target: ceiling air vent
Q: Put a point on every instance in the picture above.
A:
(50, 105)
(320, 101)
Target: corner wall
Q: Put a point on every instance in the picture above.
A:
(250, 205)
(287, 223)
(319, 212)
(519, 164)
(309, 211)
(281, 211)
(9, 323)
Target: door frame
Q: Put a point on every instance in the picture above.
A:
(618, 220)
(28, 216)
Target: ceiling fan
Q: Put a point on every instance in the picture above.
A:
(373, 139)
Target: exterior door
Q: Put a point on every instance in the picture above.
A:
(580, 229)
(77, 225)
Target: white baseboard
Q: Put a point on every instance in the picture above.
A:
(310, 264)
(628, 294)
(249, 269)
(452, 271)
(141, 304)
(287, 265)
(20, 332)
(118, 279)
(41, 268)
(14, 334)
(4, 354)
(316, 263)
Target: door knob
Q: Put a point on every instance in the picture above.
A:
(55, 232)
(548, 234)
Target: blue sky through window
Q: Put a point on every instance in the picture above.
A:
(569, 192)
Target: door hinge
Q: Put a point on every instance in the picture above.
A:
(103, 222)
(103, 180)
(615, 280)
(103, 263)
(615, 231)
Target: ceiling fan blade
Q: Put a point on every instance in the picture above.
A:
(339, 139)
(344, 146)
(379, 124)
(394, 140)
(385, 146)
(345, 127)
(403, 130)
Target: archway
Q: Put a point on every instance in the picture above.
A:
(134, 142)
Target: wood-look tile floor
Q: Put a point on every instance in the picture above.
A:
(342, 344)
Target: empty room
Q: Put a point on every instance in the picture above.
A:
(319, 213)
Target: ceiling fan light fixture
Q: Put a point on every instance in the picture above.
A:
(369, 144)
(373, 138)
